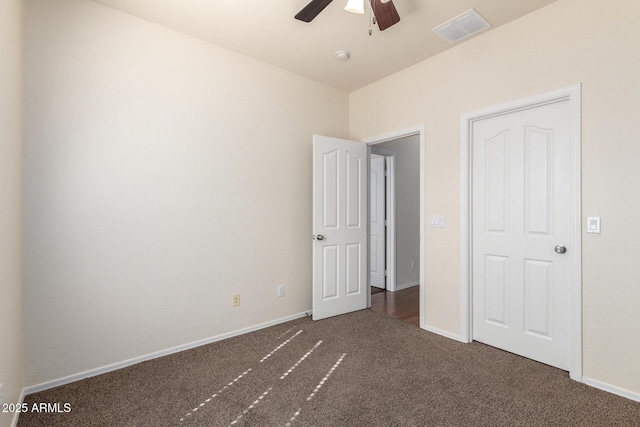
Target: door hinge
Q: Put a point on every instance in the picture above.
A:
(385, 273)
(386, 222)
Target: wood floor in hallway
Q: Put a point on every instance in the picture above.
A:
(402, 305)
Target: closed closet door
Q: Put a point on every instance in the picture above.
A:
(521, 222)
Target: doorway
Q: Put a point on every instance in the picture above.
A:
(521, 257)
(396, 223)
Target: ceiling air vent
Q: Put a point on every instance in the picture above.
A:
(462, 26)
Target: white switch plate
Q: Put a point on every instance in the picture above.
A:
(593, 224)
(436, 221)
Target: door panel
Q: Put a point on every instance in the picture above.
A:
(521, 210)
(330, 268)
(539, 180)
(538, 298)
(496, 289)
(354, 188)
(329, 179)
(339, 226)
(354, 282)
(497, 183)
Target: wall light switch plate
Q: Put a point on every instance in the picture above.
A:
(436, 221)
(593, 224)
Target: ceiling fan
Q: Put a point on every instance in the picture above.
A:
(384, 11)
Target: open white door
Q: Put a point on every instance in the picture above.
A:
(378, 228)
(339, 226)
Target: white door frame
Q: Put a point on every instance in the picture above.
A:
(391, 136)
(573, 95)
(390, 207)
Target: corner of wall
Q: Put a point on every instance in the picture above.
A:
(11, 316)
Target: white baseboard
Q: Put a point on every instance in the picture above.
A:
(14, 422)
(443, 333)
(612, 389)
(119, 365)
(406, 286)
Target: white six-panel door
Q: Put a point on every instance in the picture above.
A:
(521, 220)
(339, 226)
(377, 240)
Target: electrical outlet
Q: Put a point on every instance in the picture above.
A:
(280, 291)
(413, 264)
(236, 300)
(1, 398)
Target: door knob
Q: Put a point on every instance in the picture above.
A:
(560, 249)
(320, 237)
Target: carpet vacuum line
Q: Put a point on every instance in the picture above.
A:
(216, 394)
(250, 407)
(307, 354)
(318, 386)
(280, 346)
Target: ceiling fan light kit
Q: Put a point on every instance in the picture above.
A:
(385, 12)
(355, 6)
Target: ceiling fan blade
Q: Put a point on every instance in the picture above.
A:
(385, 13)
(312, 10)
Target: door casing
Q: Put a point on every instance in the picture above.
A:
(573, 95)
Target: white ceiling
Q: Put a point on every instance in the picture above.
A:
(266, 30)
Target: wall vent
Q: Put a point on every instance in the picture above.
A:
(462, 26)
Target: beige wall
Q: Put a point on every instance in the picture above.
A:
(11, 369)
(162, 175)
(571, 41)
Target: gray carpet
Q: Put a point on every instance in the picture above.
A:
(360, 369)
